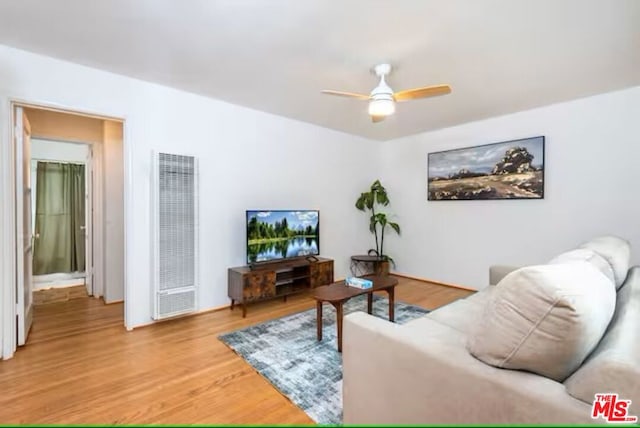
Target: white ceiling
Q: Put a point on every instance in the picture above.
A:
(499, 56)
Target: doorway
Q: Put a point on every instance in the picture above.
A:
(61, 222)
(69, 178)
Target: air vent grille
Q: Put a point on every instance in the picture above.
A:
(176, 233)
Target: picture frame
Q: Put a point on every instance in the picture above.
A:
(504, 170)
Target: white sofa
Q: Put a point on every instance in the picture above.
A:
(423, 373)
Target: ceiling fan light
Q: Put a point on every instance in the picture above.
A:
(384, 107)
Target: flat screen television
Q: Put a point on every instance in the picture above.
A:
(279, 234)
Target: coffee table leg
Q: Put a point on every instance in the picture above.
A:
(319, 319)
(369, 303)
(339, 322)
(392, 304)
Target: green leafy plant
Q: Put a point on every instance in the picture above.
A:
(372, 201)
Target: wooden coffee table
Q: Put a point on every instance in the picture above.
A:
(338, 293)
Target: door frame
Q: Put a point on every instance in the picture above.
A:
(23, 233)
(8, 321)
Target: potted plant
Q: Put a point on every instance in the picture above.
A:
(372, 201)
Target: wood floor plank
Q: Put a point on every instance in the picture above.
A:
(81, 366)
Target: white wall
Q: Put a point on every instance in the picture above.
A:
(591, 187)
(248, 159)
(58, 151)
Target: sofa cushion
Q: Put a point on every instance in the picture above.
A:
(463, 313)
(614, 366)
(616, 251)
(585, 255)
(545, 319)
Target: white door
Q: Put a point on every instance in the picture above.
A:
(24, 235)
(88, 224)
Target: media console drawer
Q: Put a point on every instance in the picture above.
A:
(276, 279)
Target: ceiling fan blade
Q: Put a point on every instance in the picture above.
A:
(427, 91)
(346, 94)
(376, 119)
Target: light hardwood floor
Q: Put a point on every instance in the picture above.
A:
(56, 295)
(81, 366)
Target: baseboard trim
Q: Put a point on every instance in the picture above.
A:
(190, 314)
(446, 284)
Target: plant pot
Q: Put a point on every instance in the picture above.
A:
(381, 268)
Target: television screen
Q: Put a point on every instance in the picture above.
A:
(274, 235)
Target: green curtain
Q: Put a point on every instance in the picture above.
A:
(60, 219)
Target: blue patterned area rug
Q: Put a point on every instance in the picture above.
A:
(286, 352)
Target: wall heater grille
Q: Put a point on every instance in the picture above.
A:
(176, 232)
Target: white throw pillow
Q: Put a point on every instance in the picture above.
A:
(544, 319)
(585, 255)
(616, 251)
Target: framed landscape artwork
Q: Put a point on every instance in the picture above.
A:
(506, 170)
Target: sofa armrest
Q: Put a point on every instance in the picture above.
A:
(423, 374)
(497, 272)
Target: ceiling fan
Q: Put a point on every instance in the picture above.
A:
(382, 100)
